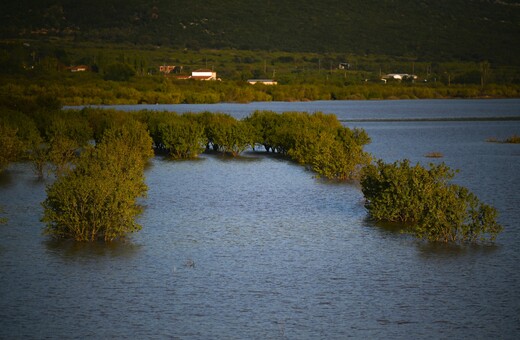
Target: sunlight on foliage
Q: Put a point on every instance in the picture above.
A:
(426, 203)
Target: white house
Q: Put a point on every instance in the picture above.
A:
(79, 68)
(204, 74)
(399, 76)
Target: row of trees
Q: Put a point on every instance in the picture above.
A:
(98, 158)
(155, 90)
(317, 140)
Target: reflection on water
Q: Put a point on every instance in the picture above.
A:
(277, 253)
(71, 250)
(439, 250)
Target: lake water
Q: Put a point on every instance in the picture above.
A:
(276, 253)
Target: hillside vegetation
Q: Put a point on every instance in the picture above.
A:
(439, 30)
(323, 50)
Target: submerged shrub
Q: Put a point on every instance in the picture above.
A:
(514, 139)
(181, 136)
(426, 203)
(97, 200)
(10, 145)
(227, 134)
(317, 140)
(18, 136)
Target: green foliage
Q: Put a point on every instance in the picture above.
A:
(425, 201)
(226, 134)
(10, 145)
(65, 132)
(18, 136)
(3, 220)
(264, 124)
(119, 72)
(182, 136)
(187, 135)
(306, 78)
(133, 137)
(310, 76)
(98, 198)
(318, 141)
(514, 139)
(487, 31)
(100, 120)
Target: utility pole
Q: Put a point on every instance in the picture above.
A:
(484, 70)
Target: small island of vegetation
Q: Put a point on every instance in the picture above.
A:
(514, 139)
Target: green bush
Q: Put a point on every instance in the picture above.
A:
(264, 125)
(426, 203)
(318, 141)
(97, 200)
(181, 136)
(10, 145)
(18, 137)
(119, 72)
(514, 139)
(226, 134)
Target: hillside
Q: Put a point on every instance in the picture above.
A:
(435, 30)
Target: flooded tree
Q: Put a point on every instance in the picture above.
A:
(226, 134)
(316, 140)
(181, 136)
(97, 200)
(18, 137)
(426, 203)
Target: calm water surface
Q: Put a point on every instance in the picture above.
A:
(277, 254)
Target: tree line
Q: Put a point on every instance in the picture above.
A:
(77, 90)
(119, 74)
(98, 158)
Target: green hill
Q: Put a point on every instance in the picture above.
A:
(472, 30)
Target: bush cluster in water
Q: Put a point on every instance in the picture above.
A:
(424, 201)
(97, 198)
(94, 195)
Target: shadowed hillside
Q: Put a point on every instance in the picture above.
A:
(435, 30)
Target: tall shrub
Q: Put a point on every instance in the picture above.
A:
(182, 136)
(98, 198)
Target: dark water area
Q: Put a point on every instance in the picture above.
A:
(258, 248)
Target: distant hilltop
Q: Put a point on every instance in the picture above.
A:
(469, 30)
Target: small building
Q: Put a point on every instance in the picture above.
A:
(262, 81)
(79, 68)
(399, 76)
(204, 74)
(167, 69)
